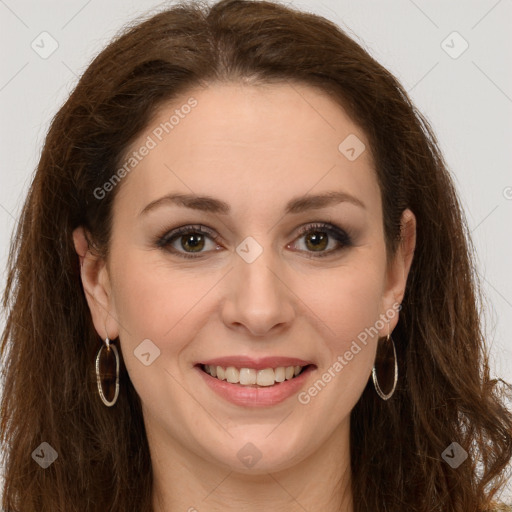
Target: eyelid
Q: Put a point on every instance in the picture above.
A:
(169, 235)
(342, 236)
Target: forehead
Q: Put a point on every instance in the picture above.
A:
(248, 144)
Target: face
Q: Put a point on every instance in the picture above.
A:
(268, 273)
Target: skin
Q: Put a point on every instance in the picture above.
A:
(254, 147)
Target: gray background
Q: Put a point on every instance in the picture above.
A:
(467, 99)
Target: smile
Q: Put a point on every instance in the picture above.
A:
(253, 377)
(255, 383)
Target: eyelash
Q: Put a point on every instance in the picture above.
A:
(335, 232)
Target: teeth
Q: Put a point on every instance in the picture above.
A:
(232, 375)
(266, 377)
(247, 376)
(221, 374)
(251, 377)
(280, 374)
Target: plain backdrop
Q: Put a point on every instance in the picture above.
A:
(454, 59)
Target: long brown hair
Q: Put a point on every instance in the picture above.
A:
(445, 393)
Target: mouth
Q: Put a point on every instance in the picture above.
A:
(255, 383)
(251, 377)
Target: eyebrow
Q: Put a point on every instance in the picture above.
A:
(295, 205)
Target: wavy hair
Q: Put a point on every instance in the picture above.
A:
(445, 392)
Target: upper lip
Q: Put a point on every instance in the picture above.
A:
(256, 363)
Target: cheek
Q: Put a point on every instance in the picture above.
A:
(151, 300)
(348, 301)
(349, 308)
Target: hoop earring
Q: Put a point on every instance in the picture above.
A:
(385, 396)
(105, 373)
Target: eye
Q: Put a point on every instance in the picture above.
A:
(189, 238)
(192, 240)
(316, 239)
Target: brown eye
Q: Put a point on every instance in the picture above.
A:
(191, 241)
(194, 242)
(317, 240)
(187, 240)
(318, 236)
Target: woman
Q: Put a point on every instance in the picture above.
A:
(242, 279)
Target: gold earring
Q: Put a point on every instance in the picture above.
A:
(105, 374)
(382, 361)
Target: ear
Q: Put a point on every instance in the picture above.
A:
(96, 283)
(398, 270)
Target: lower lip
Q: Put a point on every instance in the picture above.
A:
(256, 397)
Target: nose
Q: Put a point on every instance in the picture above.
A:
(258, 299)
